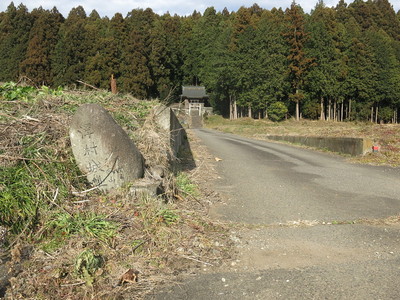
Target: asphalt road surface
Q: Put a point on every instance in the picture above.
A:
(306, 240)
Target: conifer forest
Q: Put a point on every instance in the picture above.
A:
(335, 63)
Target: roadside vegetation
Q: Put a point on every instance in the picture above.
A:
(63, 241)
(387, 136)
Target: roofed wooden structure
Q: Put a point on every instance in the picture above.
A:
(194, 93)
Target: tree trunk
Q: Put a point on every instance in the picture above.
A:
(250, 112)
(297, 106)
(322, 115)
(376, 114)
(350, 110)
(235, 109)
(341, 111)
(372, 114)
(329, 109)
(334, 110)
(230, 108)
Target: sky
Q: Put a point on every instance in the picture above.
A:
(180, 7)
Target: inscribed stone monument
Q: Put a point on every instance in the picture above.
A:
(103, 150)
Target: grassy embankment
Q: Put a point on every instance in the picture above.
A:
(65, 243)
(386, 135)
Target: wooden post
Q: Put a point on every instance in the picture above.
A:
(113, 85)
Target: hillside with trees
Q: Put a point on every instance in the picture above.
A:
(335, 63)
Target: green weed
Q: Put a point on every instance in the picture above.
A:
(11, 91)
(19, 201)
(44, 90)
(185, 185)
(64, 225)
(142, 108)
(168, 216)
(86, 265)
(30, 187)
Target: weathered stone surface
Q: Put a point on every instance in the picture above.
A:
(167, 120)
(103, 150)
(146, 188)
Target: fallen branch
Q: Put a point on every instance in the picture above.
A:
(197, 260)
(86, 191)
(30, 118)
(89, 85)
(23, 81)
(191, 196)
(24, 119)
(80, 202)
(138, 245)
(8, 116)
(73, 284)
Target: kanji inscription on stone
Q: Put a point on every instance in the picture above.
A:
(103, 150)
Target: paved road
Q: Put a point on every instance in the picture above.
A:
(296, 196)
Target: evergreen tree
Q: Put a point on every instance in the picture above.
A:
(215, 60)
(298, 62)
(250, 61)
(190, 51)
(323, 78)
(166, 57)
(6, 43)
(71, 50)
(362, 71)
(114, 41)
(272, 59)
(386, 19)
(136, 76)
(96, 72)
(387, 92)
(14, 36)
(42, 41)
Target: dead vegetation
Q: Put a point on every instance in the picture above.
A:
(64, 242)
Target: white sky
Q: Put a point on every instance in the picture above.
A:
(180, 7)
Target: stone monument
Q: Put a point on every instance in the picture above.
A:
(103, 150)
